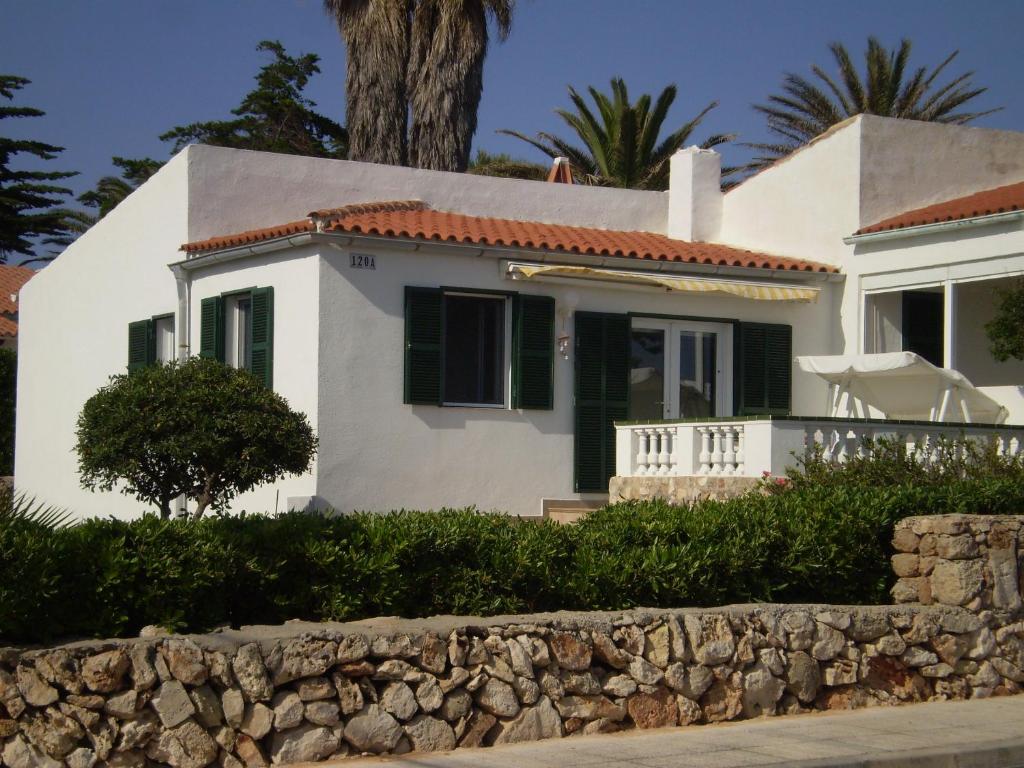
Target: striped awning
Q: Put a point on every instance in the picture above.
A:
(760, 291)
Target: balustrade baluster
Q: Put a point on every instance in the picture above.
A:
(641, 452)
(664, 451)
(652, 453)
(704, 457)
(729, 454)
(716, 451)
(741, 453)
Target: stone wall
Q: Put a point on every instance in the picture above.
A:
(682, 489)
(305, 692)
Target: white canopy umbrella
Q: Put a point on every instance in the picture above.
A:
(902, 385)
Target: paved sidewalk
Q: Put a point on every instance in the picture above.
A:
(962, 734)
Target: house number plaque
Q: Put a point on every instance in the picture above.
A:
(362, 261)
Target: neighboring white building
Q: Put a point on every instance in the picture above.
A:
(458, 340)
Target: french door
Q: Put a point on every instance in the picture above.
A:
(680, 369)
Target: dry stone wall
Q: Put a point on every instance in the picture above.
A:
(298, 693)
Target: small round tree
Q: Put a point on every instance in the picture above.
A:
(1006, 330)
(198, 429)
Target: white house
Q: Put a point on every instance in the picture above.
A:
(457, 339)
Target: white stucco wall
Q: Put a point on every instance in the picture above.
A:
(233, 190)
(802, 206)
(73, 332)
(294, 276)
(908, 164)
(379, 454)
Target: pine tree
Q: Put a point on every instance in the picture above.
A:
(32, 211)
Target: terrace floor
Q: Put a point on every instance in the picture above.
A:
(963, 734)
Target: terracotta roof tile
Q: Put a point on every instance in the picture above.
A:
(990, 201)
(11, 280)
(415, 220)
(250, 236)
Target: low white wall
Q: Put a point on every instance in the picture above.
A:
(379, 454)
(73, 332)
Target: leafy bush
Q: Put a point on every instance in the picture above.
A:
(8, 397)
(824, 543)
(1006, 330)
(888, 462)
(199, 429)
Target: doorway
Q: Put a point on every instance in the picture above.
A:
(680, 369)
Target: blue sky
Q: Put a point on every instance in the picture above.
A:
(114, 74)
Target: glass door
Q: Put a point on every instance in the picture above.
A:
(680, 369)
(648, 364)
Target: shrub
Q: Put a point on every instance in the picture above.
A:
(8, 398)
(198, 429)
(826, 543)
(888, 462)
(1006, 330)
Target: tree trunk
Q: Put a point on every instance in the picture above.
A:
(376, 34)
(165, 509)
(445, 82)
(204, 499)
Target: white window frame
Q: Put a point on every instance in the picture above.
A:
(506, 387)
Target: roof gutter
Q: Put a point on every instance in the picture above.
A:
(941, 226)
(475, 249)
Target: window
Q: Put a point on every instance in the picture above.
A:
(474, 350)
(164, 327)
(923, 325)
(151, 341)
(676, 367)
(238, 329)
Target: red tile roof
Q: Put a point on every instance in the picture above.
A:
(11, 280)
(990, 201)
(415, 220)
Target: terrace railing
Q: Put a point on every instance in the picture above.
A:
(753, 446)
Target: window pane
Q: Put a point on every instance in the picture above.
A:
(238, 331)
(647, 374)
(165, 339)
(245, 333)
(697, 368)
(474, 350)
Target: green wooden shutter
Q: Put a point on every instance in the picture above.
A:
(261, 359)
(422, 345)
(602, 395)
(211, 328)
(533, 352)
(141, 344)
(765, 369)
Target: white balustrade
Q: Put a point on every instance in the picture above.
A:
(753, 447)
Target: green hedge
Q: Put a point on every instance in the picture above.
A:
(107, 578)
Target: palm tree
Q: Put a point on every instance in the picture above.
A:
(808, 108)
(505, 166)
(376, 35)
(445, 77)
(620, 143)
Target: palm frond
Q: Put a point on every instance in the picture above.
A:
(886, 86)
(19, 507)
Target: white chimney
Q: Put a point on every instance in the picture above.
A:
(695, 194)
